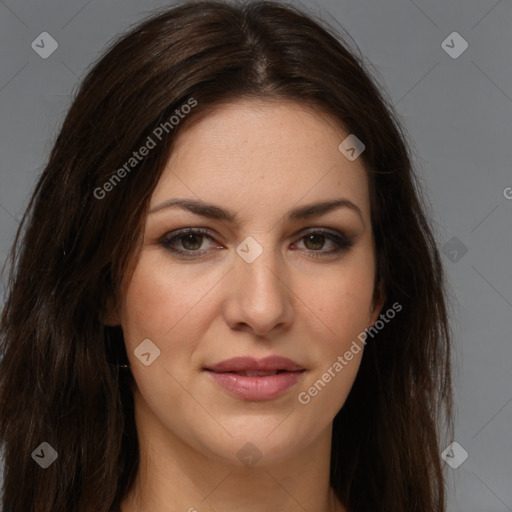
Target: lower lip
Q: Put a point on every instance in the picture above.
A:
(256, 388)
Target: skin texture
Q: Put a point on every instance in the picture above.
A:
(259, 160)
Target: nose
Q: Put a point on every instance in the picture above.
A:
(259, 298)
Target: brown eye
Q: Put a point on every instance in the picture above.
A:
(314, 241)
(186, 242)
(192, 241)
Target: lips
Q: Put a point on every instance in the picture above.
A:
(249, 364)
(252, 379)
(256, 373)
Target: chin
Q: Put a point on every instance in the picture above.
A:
(255, 442)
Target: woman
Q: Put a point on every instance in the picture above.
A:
(225, 293)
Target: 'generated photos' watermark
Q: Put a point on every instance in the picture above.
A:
(150, 143)
(305, 397)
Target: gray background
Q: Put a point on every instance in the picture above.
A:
(458, 112)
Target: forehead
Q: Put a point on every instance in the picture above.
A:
(270, 153)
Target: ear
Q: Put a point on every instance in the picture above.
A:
(379, 298)
(110, 315)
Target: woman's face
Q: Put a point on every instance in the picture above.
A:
(269, 276)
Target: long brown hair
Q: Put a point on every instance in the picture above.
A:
(60, 381)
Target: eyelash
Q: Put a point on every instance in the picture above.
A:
(343, 242)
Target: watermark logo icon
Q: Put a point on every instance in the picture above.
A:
(351, 147)
(454, 455)
(249, 249)
(454, 249)
(147, 352)
(45, 455)
(44, 45)
(249, 454)
(454, 45)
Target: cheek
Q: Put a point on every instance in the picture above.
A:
(343, 306)
(145, 300)
(157, 306)
(343, 301)
(159, 300)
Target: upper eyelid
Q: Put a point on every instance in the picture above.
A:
(207, 231)
(177, 234)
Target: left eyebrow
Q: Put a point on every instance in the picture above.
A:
(212, 211)
(321, 208)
